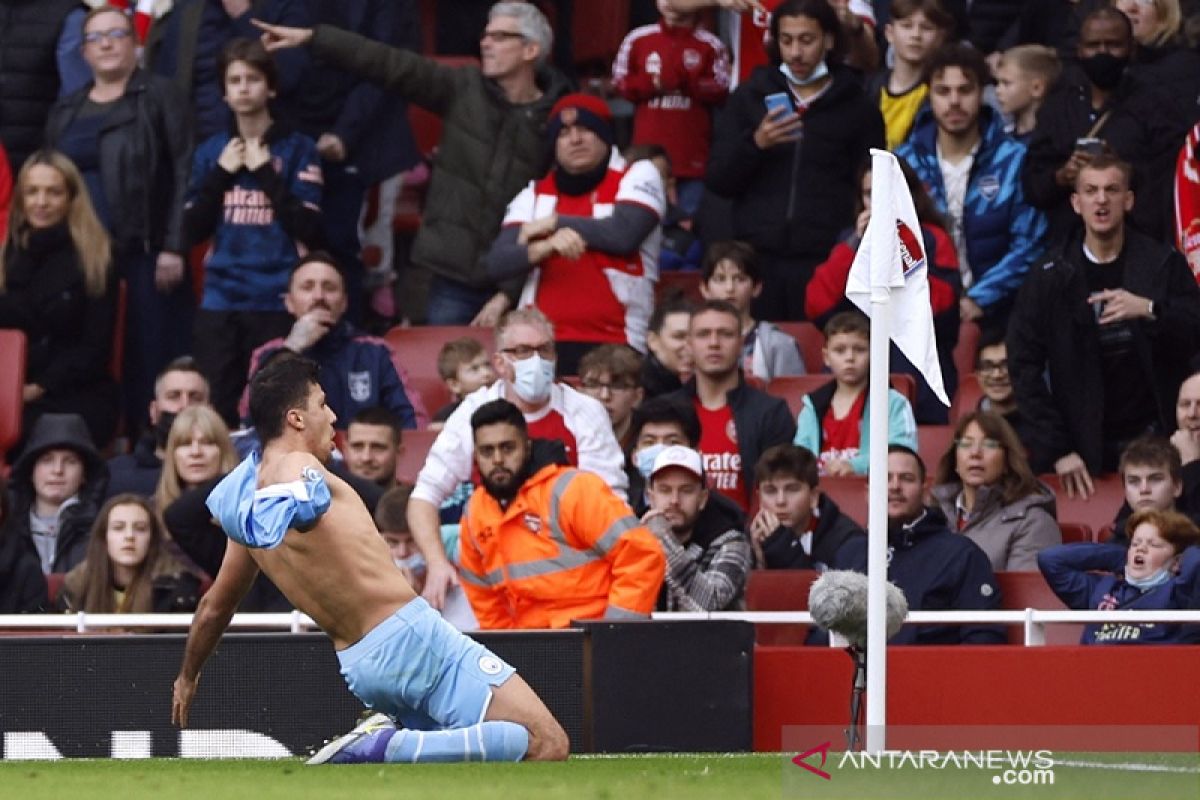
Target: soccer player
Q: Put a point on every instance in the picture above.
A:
(440, 696)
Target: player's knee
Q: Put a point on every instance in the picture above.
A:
(548, 742)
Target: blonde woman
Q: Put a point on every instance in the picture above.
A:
(198, 450)
(57, 285)
(1162, 57)
(127, 568)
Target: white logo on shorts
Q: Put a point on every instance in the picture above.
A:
(490, 665)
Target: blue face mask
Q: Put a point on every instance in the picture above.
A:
(644, 459)
(415, 562)
(1152, 581)
(532, 378)
(819, 72)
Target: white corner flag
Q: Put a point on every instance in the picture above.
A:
(892, 256)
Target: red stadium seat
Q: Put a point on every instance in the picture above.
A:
(684, 282)
(779, 590)
(811, 342)
(12, 383)
(433, 390)
(932, 443)
(850, 494)
(966, 348)
(1098, 510)
(967, 398)
(1074, 532)
(419, 346)
(416, 447)
(793, 387)
(1021, 590)
(54, 585)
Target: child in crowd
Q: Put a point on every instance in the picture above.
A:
(1026, 74)
(797, 526)
(464, 366)
(731, 273)
(1159, 570)
(675, 73)
(917, 28)
(833, 422)
(1152, 474)
(610, 373)
(681, 247)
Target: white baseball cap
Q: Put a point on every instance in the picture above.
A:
(679, 456)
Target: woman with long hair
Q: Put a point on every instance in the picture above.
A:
(58, 286)
(1162, 57)
(127, 568)
(987, 491)
(198, 450)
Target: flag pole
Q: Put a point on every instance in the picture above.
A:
(883, 245)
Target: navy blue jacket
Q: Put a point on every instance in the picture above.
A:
(1002, 230)
(1070, 571)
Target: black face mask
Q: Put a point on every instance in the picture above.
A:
(163, 427)
(1104, 70)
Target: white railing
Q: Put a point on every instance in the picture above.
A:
(1033, 620)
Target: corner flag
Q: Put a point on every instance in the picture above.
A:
(895, 259)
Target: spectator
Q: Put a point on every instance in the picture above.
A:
(574, 553)
(916, 30)
(31, 62)
(127, 569)
(983, 483)
(186, 45)
(391, 519)
(1132, 119)
(590, 228)
(737, 421)
(179, 385)
(1026, 74)
(1152, 474)
(128, 133)
(936, 569)
(255, 195)
(1162, 57)
(681, 248)
(374, 443)
(464, 366)
(57, 284)
(657, 424)
(22, 584)
(991, 370)
(675, 73)
(1186, 438)
(731, 273)
(959, 151)
(524, 361)
(798, 526)
(669, 358)
(833, 422)
(56, 486)
(1102, 335)
(708, 555)
(826, 293)
(509, 94)
(610, 374)
(198, 450)
(357, 371)
(790, 172)
(1159, 570)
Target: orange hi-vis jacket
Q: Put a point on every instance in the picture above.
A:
(566, 548)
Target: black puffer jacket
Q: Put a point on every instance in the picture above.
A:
(59, 431)
(29, 30)
(145, 160)
(22, 584)
(838, 543)
(489, 150)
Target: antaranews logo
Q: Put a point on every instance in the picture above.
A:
(999, 767)
(823, 749)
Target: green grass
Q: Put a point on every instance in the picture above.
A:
(682, 777)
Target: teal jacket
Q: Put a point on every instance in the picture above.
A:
(902, 425)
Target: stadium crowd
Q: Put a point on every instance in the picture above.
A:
(589, 348)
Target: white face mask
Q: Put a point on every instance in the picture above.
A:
(415, 563)
(1151, 581)
(819, 72)
(533, 378)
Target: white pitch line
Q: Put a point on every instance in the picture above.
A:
(1128, 767)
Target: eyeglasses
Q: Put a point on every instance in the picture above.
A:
(993, 366)
(596, 387)
(971, 444)
(521, 352)
(112, 34)
(500, 36)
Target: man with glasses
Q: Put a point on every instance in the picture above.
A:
(991, 371)
(610, 373)
(491, 143)
(524, 361)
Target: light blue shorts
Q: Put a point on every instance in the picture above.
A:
(417, 668)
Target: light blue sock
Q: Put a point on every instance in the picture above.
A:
(494, 740)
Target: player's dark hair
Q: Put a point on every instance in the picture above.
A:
(496, 412)
(280, 386)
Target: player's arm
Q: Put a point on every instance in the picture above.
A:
(216, 608)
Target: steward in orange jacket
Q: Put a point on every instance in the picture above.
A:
(565, 548)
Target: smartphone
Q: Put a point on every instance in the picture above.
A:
(778, 100)
(1090, 145)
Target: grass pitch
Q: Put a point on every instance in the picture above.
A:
(656, 777)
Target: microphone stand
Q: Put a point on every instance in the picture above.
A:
(857, 690)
